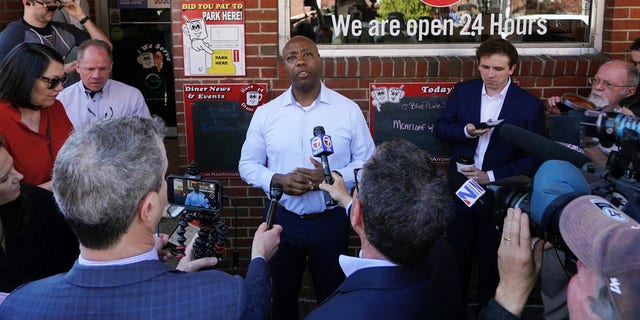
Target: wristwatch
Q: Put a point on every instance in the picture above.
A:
(84, 20)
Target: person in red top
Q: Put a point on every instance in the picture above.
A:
(33, 122)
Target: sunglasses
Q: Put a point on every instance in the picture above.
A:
(49, 8)
(53, 82)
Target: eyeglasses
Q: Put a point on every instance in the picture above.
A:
(49, 8)
(635, 63)
(357, 174)
(595, 81)
(53, 82)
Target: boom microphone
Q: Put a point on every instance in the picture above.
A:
(540, 147)
(321, 146)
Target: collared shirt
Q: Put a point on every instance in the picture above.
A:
(350, 264)
(116, 99)
(490, 108)
(196, 199)
(149, 255)
(279, 140)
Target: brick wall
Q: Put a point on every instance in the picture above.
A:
(543, 76)
(10, 10)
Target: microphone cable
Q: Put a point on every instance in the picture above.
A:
(236, 252)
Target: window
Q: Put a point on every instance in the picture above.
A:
(413, 28)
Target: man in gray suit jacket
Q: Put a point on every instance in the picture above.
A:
(108, 180)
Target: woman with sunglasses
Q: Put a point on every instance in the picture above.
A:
(32, 120)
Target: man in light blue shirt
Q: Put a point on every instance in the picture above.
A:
(277, 149)
(97, 97)
(196, 198)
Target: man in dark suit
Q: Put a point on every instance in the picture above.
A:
(108, 180)
(405, 270)
(491, 98)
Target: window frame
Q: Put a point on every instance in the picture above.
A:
(594, 45)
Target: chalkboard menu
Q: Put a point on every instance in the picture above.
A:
(409, 111)
(217, 117)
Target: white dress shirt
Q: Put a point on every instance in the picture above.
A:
(115, 100)
(490, 107)
(350, 264)
(279, 140)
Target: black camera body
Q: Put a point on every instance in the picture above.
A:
(617, 183)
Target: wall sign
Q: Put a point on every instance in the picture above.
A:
(217, 117)
(213, 38)
(409, 111)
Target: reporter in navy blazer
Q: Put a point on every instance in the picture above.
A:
(108, 180)
(505, 159)
(492, 97)
(405, 270)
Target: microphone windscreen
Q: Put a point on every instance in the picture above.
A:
(554, 179)
(540, 147)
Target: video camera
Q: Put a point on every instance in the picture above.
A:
(198, 203)
(617, 182)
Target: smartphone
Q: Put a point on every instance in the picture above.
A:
(194, 194)
(488, 124)
(175, 211)
(191, 231)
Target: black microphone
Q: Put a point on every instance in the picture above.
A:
(322, 147)
(275, 193)
(540, 147)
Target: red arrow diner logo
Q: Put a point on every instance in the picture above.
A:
(439, 3)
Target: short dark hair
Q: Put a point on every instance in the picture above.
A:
(498, 46)
(635, 45)
(406, 206)
(20, 69)
(94, 43)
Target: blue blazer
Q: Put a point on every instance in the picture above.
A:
(520, 108)
(428, 290)
(142, 290)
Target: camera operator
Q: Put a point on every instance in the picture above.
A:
(113, 204)
(605, 242)
(614, 81)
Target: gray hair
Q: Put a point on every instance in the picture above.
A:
(406, 206)
(632, 73)
(103, 171)
(94, 43)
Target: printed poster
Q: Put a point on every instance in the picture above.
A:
(213, 38)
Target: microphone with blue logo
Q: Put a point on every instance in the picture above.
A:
(321, 146)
